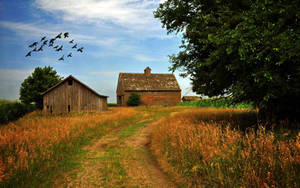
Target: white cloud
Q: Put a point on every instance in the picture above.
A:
(7, 75)
(10, 82)
(27, 31)
(145, 58)
(130, 14)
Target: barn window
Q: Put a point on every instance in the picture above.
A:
(70, 82)
(69, 108)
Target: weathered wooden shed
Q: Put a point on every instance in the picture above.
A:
(71, 95)
(154, 89)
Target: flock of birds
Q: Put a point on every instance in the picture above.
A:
(44, 42)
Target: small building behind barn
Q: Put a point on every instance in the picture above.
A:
(190, 98)
(71, 95)
(154, 89)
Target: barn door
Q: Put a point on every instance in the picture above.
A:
(120, 100)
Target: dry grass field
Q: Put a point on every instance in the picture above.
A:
(195, 146)
(200, 147)
(37, 140)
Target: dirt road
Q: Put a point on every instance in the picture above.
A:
(120, 159)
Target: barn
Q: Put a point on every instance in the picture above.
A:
(71, 95)
(154, 89)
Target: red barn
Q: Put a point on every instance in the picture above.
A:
(154, 89)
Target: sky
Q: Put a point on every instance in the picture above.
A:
(117, 36)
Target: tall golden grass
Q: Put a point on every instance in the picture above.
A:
(200, 148)
(34, 137)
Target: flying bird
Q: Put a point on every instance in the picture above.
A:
(71, 41)
(62, 58)
(60, 48)
(43, 38)
(52, 40)
(70, 54)
(55, 46)
(45, 42)
(40, 49)
(66, 34)
(58, 36)
(34, 50)
(50, 44)
(28, 54)
(80, 49)
(33, 44)
(75, 46)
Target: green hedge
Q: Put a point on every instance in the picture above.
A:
(216, 103)
(13, 111)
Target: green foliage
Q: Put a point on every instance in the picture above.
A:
(216, 103)
(112, 104)
(40, 80)
(134, 100)
(13, 111)
(247, 49)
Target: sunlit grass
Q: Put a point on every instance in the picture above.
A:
(37, 139)
(201, 148)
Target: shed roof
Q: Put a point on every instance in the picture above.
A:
(147, 82)
(73, 78)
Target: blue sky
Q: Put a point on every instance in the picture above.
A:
(117, 36)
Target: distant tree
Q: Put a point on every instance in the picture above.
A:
(242, 48)
(40, 80)
(134, 100)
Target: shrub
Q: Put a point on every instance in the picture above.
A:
(112, 104)
(13, 111)
(134, 100)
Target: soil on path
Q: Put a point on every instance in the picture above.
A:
(115, 161)
(144, 171)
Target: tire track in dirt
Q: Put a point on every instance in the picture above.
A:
(143, 170)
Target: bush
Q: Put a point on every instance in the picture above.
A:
(13, 111)
(112, 104)
(134, 100)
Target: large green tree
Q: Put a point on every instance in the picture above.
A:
(248, 49)
(40, 80)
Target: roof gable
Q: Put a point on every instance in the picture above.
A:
(73, 78)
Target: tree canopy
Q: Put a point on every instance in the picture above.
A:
(40, 80)
(247, 49)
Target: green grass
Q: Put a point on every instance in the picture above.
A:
(5, 101)
(216, 103)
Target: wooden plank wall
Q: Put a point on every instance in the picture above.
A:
(76, 95)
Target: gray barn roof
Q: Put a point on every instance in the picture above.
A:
(147, 82)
